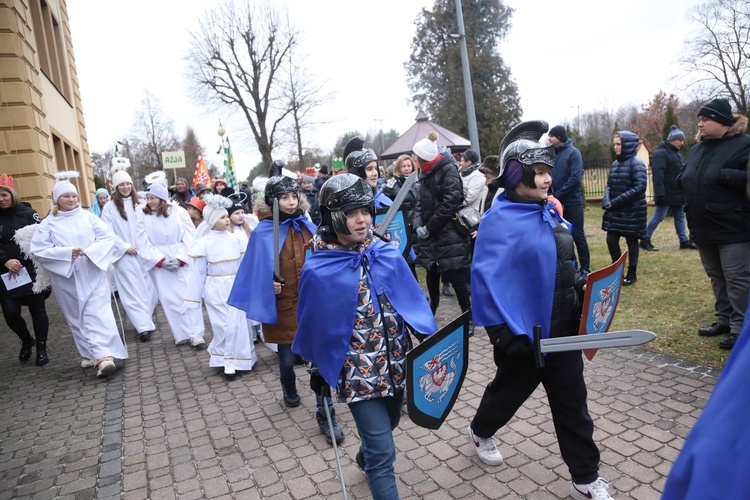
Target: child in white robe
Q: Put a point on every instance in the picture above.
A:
(75, 246)
(171, 232)
(216, 258)
(134, 251)
(239, 226)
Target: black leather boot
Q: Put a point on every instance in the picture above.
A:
(26, 345)
(291, 398)
(631, 277)
(646, 245)
(41, 354)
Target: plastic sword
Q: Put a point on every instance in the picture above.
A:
(276, 266)
(622, 338)
(396, 206)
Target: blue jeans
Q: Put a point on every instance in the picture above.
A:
(376, 418)
(286, 362)
(678, 212)
(574, 215)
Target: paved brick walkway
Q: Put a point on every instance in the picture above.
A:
(167, 426)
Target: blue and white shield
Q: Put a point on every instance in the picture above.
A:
(435, 372)
(398, 230)
(600, 300)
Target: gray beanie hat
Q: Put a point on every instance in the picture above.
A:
(675, 134)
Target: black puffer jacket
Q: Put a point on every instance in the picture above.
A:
(666, 165)
(714, 182)
(391, 189)
(626, 190)
(440, 195)
(11, 219)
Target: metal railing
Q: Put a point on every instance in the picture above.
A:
(595, 180)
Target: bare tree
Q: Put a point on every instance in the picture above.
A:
(152, 134)
(716, 56)
(238, 55)
(304, 96)
(191, 146)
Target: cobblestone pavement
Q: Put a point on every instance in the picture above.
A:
(167, 426)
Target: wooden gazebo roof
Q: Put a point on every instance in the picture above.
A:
(419, 131)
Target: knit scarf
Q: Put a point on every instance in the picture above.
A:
(426, 167)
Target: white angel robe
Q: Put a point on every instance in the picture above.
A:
(81, 285)
(171, 237)
(251, 323)
(216, 258)
(131, 271)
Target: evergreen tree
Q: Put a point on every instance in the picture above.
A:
(435, 76)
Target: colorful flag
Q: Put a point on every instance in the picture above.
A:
(201, 173)
(229, 167)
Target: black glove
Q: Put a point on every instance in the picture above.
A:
(660, 200)
(319, 386)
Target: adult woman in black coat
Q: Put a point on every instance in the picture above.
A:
(625, 202)
(14, 215)
(442, 249)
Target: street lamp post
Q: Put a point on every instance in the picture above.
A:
(220, 132)
(382, 141)
(578, 118)
(470, 114)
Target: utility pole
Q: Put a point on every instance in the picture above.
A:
(470, 114)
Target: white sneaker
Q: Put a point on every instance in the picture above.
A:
(87, 363)
(229, 370)
(197, 342)
(592, 491)
(486, 449)
(106, 368)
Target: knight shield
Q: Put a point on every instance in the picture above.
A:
(435, 371)
(600, 301)
(398, 230)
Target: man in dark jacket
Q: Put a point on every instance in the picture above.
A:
(718, 213)
(666, 165)
(322, 177)
(567, 186)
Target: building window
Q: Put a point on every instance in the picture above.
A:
(50, 46)
(68, 158)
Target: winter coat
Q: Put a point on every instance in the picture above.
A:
(313, 199)
(567, 175)
(440, 196)
(714, 183)
(11, 219)
(626, 191)
(666, 165)
(475, 185)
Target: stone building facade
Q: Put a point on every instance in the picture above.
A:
(42, 130)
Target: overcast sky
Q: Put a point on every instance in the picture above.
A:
(564, 56)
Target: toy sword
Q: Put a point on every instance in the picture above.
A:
(592, 341)
(394, 208)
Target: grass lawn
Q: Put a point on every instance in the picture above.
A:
(672, 296)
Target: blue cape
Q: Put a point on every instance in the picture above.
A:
(253, 288)
(715, 460)
(328, 294)
(514, 266)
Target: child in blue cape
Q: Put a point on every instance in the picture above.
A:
(255, 290)
(363, 163)
(357, 336)
(524, 274)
